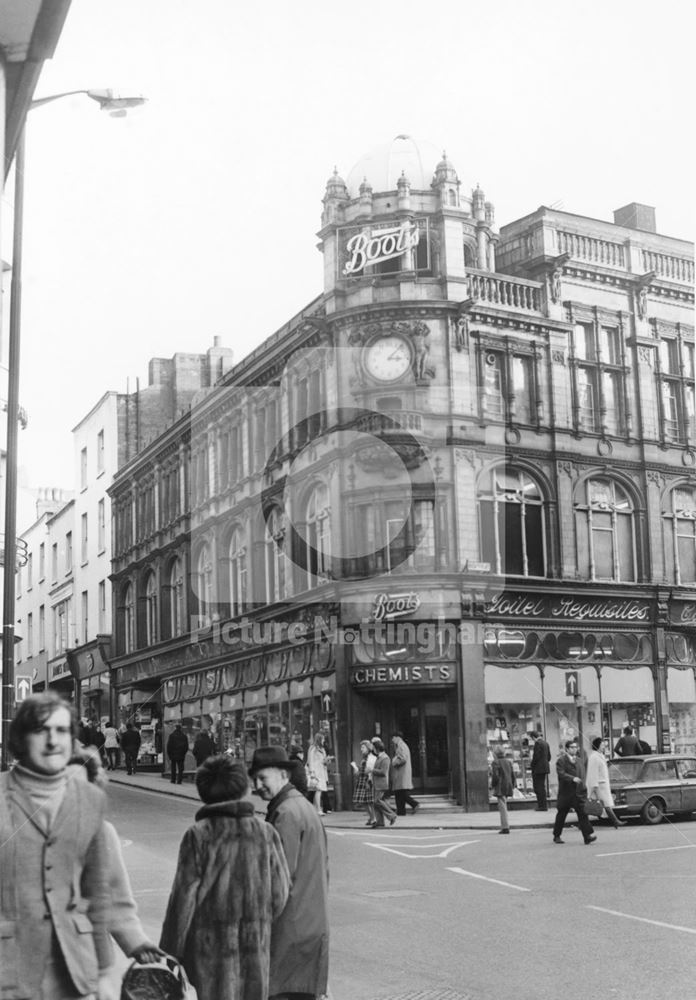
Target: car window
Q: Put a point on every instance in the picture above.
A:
(622, 772)
(686, 768)
(659, 770)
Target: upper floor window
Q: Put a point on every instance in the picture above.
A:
(61, 624)
(151, 620)
(676, 384)
(238, 573)
(318, 535)
(508, 386)
(42, 561)
(176, 598)
(83, 469)
(128, 619)
(30, 571)
(599, 379)
(84, 539)
(396, 535)
(100, 452)
(606, 536)
(68, 552)
(680, 536)
(101, 525)
(204, 580)
(511, 523)
(275, 559)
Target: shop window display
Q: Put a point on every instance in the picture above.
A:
(681, 694)
(628, 699)
(513, 709)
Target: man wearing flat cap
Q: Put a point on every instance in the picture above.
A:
(300, 935)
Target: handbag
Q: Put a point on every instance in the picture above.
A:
(163, 980)
(312, 781)
(593, 807)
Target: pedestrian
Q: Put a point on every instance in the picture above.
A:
(54, 898)
(130, 744)
(363, 792)
(380, 783)
(97, 739)
(177, 748)
(111, 747)
(503, 782)
(540, 768)
(317, 761)
(572, 793)
(628, 745)
(203, 747)
(124, 923)
(231, 883)
(300, 937)
(597, 780)
(401, 775)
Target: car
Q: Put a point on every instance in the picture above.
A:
(654, 785)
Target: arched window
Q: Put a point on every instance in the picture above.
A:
(176, 598)
(680, 536)
(128, 619)
(318, 535)
(469, 255)
(238, 573)
(274, 557)
(151, 620)
(511, 523)
(606, 539)
(204, 581)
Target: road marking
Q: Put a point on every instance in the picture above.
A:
(648, 850)
(484, 878)
(644, 920)
(447, 849)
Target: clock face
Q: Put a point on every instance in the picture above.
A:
(388, 359)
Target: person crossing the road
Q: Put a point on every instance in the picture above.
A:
(380, 783)
(572, 793)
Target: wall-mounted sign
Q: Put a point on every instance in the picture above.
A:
(418, 674)
(514, 605)
(389, 606)
(360, 246)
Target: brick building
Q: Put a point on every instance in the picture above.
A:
(454, 496)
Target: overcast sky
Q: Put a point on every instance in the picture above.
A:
(196, 216)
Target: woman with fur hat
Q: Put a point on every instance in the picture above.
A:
(231, 883)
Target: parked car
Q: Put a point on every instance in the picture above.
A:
(651, 786)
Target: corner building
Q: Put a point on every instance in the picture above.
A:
(454, 496)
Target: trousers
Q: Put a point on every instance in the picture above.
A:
(539, 785)
(586, 827)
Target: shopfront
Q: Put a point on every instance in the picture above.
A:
(568, 667)
(92, 679)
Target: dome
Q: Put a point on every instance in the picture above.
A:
(384, 164)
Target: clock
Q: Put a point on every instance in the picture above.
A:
(388, 359)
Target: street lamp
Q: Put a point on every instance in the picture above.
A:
(116, 106)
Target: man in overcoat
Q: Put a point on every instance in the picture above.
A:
(572, 793)
(177, 748)
(402, 775)
(300, 935)
(54, 883)
(540, 767)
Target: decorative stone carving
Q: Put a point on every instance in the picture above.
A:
(466, 455)
(459, 330)
(645, 354)
(564, 469)
(558, 357)
(656, 478)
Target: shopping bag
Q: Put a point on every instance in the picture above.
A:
(593, 807)
(163, 980)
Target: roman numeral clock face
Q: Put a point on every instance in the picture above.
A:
(388, 359)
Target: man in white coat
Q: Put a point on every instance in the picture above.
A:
(402, 775)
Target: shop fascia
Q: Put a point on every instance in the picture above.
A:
(374, 246)
(527, 607)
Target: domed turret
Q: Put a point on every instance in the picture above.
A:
(335, 196)
(446, 182)
(444, 171)
(403, 188)
(365, 197)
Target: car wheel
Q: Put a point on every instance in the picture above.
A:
(653, 811)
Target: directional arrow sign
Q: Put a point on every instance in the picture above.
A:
(22, 687)
(571, 682)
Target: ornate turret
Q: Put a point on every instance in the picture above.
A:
(335, 197)
(403, 188)
(446, 182)
(365, 192)
(478, 199)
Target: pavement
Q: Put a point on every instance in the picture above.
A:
(426, 818)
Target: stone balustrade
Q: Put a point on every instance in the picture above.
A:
(602, 252)
(666, 266)
(501, 290)
(393, 420)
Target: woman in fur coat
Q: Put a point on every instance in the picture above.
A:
(231, 882)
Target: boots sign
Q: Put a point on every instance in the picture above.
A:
(373, 246)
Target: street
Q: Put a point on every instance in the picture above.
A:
(451, 914)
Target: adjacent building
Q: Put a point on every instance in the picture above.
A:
(455, 496)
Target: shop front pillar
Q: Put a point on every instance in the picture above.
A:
(473, 743)
(344, 775)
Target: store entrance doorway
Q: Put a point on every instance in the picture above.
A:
(424, 726)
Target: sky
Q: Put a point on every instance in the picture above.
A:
(196, 215)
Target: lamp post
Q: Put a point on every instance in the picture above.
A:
(116, 106)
